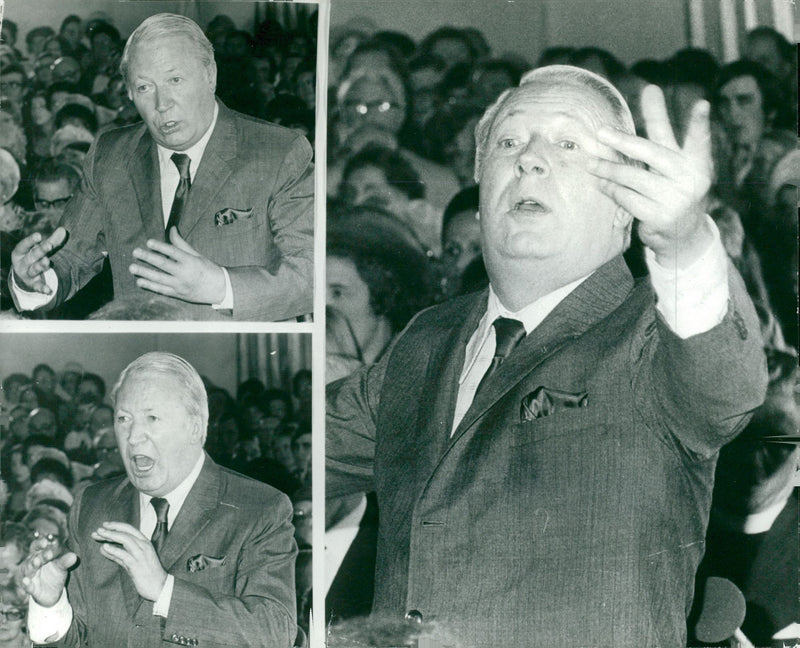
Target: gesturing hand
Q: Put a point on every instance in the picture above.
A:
(44, 574)
(30, 259)
(668, 197)
(131, 550)
(178, 270)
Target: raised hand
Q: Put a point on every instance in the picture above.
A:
(668, 197)
(30, 259)
(131, 550)
(44, 573)
(178, 270)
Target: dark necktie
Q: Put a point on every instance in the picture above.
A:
(508, 334)
(160, 532)
(182, 161)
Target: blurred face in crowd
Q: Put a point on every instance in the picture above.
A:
(39, 112)
(88, 392)
(18, 424)
(50, 199)
(372, 102)
(424, 82)
(461, 153)
(42, 422)
(452, 51)
(12, 86)
(348, 294)
(301, 447)
(461, 241)
(172, 90)
(52, 46)
(489, 85)
(12, 620)
(101, 418)
(367, 185)
(742, 112)
(45, 380)
(158, 438)
(66, 69)
(43, 70)
(28, 399)
(72, 33)
(538, 201)
(10, 558)
(282, 451)
(306, 88)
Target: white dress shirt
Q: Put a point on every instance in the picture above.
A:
(692, 300)
(46, 625)
(169, 177)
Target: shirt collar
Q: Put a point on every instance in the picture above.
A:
(531, 316)
(178, 495)
(195, 152)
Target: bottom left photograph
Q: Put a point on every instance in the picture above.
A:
(155, 487)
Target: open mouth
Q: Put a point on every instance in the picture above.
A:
(169, 127)
(142, 463)
(530, 206)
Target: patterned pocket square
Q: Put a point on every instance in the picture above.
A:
(200, 562)
(543, 401)
(228, 215)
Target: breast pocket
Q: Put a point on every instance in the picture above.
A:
(566, 422)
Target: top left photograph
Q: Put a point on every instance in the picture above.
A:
(157, 160)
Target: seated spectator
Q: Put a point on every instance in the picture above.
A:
(301, 449)
(66, 69)
(53, 470)
(449, 44)
(490, 78)
(54, 183)
(42, 422)
(378, 276)
(13, 610)
(304, 83)
(461, 237)
(426, 72)
(76, 115)
(70, 35)
(45, 521)
(35, 40)
(383, 178)
(109, 461)
(13, 549)
(372, 108)
(770, 48)
(8, 37)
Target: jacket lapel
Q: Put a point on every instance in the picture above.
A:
(146, 179)
(213, 173)
(197, 511)
(589, 303)
(124, 506)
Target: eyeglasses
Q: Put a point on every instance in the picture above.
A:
(6, 85)
(13, 614)
(363, 109)
(50, 537)
(58, 203)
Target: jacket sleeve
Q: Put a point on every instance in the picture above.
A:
(704, 388)
(284, 289)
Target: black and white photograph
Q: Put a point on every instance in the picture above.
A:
(157, 160)
(166, 478)
(561, 328)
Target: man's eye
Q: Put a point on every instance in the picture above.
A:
(122, 418)
(142, 88)
(507, 142)
(568, 145)
(175, 80)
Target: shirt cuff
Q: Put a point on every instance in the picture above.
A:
(161, 605)
(49, 624)
(27, 301)
(227, 300)
(692, 300)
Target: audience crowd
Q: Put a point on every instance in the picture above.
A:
(58, 435)
(58, 90)
(403, 234)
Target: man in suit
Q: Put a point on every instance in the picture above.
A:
(543, 451)
(178, 550)
(199, 203)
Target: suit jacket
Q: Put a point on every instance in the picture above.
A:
(584, 527)
(262, 171)
(246, 601)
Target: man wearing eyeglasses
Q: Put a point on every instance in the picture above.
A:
(54, 184)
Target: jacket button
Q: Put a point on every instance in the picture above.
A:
(414, 615)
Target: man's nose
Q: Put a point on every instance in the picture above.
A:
(531, 160)
(136, 433)
(164, 100)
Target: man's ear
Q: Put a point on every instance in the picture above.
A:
(622, 218)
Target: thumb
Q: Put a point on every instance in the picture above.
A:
(177, 240)
(67, 560)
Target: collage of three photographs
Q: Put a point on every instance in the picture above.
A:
(434, 324)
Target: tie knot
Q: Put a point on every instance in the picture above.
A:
(182, 161)
(162, 507)
(508, 333)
